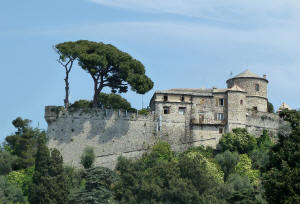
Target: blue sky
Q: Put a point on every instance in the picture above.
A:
(182, 43)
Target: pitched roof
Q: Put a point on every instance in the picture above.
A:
(248, 74)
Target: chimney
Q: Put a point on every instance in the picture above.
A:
(265, 76)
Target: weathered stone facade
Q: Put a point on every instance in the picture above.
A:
(182, 117)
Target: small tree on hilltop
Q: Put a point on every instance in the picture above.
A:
(110, 67)
(88, 157)
(68, 53)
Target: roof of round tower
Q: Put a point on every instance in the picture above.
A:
(248, 74)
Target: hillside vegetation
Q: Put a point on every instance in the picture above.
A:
(243, 169)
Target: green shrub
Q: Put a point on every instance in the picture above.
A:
(238, 140)
(88, 157)
(6, 162)
(10, 193)
(227, 161)
(81, 104)
(22, 179)
(207, 152)
(144, 111)
(244, 168)
(114, 101)
(270, 107)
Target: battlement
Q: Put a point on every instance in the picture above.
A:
(52, 113)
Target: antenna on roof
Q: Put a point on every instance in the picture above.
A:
(231, 74)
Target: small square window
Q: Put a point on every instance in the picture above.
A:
(182, 98)
(165, 98)
(220, 130)
(220, 116)
(166, 110)
(255, 108)
(201, 117)
(256, 87)
(181, 110)
(241, 102)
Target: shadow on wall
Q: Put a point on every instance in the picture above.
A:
(105, 124)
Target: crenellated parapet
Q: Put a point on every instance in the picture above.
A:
(52, 113)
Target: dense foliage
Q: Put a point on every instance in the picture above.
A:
(23, 144)
(6, 162)
(97, 187)
(238, 140)
(10, 193)
(48, 184)
(111, 101)
(194, 176)
(244, 169)
(282, 178)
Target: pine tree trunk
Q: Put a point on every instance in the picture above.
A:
(66, 101)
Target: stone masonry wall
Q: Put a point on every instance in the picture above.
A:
(258, 121)
(111, 133)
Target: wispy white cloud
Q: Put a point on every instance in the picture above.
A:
(284, 39)
(222, 10)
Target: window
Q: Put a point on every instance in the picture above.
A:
(255, 108)
(201, 117)
(181, 110)
(166, 110)
(220, 116)
(165, 98)
(221, 101)
(220, 130)
(256, 87)
(241, 102)
(182, 98)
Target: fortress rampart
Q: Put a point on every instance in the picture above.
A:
(114, 132)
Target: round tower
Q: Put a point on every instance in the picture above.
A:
(256, 88)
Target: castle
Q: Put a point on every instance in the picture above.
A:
(182, 117)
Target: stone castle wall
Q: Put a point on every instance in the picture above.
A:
(258, 121)
(113, 133)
